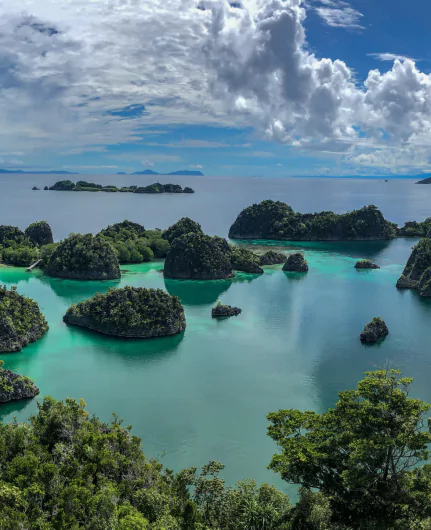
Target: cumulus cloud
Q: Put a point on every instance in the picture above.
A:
(391, 57)
(77, 74)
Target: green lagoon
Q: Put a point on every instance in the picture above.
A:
(205, 394)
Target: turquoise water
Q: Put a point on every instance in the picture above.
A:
(205, 394)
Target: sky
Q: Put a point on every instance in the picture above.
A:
(234, 88)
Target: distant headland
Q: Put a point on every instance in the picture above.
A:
(21, 172)
(183, 173)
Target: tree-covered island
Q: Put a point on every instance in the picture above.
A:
(82, 185)
(21, 320)
(15, 387)
(130, 312)
(417, 272)
(278, 221)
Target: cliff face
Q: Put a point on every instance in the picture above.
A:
(277, 221)
(198, 257)
(374, 330)
(131, 312)
(417, 265)
(14, 387)
(84, 257)
(40, 233)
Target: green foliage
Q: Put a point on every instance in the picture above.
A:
(184, 226)
(11, 236)
(374, 330)
(39, 233)
(361, 455)
(63, 185)
(200, 257)
(21, 256)
(46, 252)
(276, 220)
(21, 321)
(414, 229)
(130, 312)
(245, 260)
(418, 262)
(83, 257)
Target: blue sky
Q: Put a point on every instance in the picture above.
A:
(271, 88)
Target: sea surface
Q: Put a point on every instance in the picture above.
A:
(205, 394)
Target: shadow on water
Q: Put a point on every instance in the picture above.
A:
(75, 290)
(15, 406)
(295, 276)
(195, 293)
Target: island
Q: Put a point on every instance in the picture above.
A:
(21, 320)
(245, 260)
(275, 220)
(415, 229)
(40, 233)
(14, 387)
(82, 185)
(272, 258)
(366, 264)
(21, 172)
(197, 256)
(184, 226)
(83, 257)
(130, 312)
(374, 330)
(425, 181)
(224, 311)
(296, 263)
(417, 272)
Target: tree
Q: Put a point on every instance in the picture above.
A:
(363, 454)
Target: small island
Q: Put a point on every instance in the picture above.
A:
(40, 233)
(245, 260)
(224, 311)
(366, 264)
(417, 265)
(82, 185)
(83, 257)
(276, 220)
(374, 330)
(296, 263)
(272, 258)
(195, 256)
(21, 320)
(14, 387)
(184, 226)
(130, 312)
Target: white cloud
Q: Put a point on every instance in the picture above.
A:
(77, 74)
(196, 166)
(190, 144)
(391, 57)
(147, 163)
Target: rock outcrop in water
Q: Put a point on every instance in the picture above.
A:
(181, 227)
(417, 265)
(14, 387)
(374, 330)
(245, 260)
(198, 257)
(40, 233)
(21, 320)
(84, 257)
(277, 221)
(296, 263)
(224, 311)
(130, 312)
(272, 258)
(366, 264)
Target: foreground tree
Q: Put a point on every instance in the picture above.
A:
(362, 455)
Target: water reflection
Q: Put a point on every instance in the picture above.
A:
(74, 291)
(196, 293)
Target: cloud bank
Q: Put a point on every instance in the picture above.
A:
(82, 75)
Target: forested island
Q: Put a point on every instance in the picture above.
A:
(278, 221)
(65, 469)
(15, 387)
(417, 272)
(82, 185)
(130, 312)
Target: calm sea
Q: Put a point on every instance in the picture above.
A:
(205, 395)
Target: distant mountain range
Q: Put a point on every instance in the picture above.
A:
(21, 172)
(174, 173)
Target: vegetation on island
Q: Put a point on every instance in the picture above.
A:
(296, 263)
(245, 260)
(21, 320)
(14, 387)
(198, 257)
(366, 264)
(415, 229)
(277, 220)
(83, 257)
(184, 226)
(133, 244)
(360, 465)
(272, 258)
(374, 330)
(40, 233)
(130, 312)
(224, 311)
(82, 185)
(416, 273)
